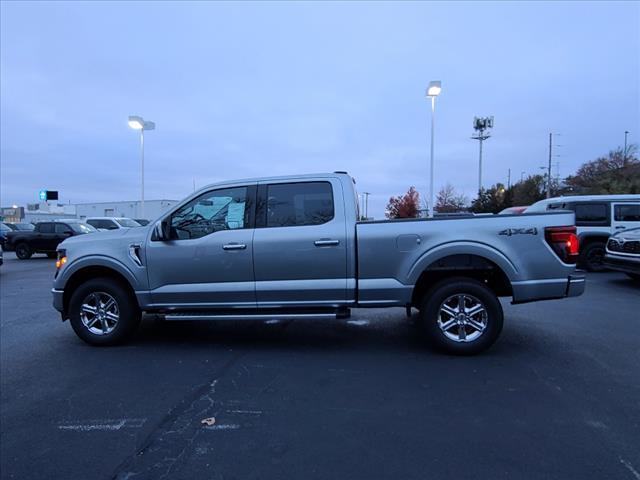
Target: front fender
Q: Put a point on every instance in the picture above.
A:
(136, 282)
(462, 248)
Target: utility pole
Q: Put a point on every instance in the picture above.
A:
(480, 125)
(522, 176)
(549, 167)
(509, 179)
(624, 158)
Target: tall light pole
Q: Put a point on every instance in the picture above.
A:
(481, 125)
(139, 123)
(433, 90)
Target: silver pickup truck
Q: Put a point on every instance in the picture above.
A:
(293, 247)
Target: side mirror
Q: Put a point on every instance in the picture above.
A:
(162, 230)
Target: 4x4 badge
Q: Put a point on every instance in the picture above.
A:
(519, 231)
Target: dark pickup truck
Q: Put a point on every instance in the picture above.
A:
(43, 239)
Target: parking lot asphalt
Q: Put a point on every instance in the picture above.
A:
(558, 397)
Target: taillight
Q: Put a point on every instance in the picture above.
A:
(564, 242)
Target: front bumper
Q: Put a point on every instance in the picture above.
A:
(622, 263)
(58, 300)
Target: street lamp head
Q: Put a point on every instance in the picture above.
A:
(135, 122)
(434, 88)
(139, 123)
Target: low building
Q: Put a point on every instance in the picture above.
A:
(131, 209)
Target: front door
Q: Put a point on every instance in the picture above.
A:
(208, 263)
(300, 251)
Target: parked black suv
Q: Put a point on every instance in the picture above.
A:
(43, 239)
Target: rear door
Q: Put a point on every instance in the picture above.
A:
(625, 215)
(299, 244)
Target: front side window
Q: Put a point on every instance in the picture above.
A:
(225, 209)
(62, 228)
(297, 204)
(591, 213)
(627, 213)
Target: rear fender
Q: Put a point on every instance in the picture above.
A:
(462, 248)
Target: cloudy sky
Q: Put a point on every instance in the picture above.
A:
(254, 89)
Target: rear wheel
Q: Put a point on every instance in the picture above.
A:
(593, 257)
(461, 316)
(103, 312)
(23, 251)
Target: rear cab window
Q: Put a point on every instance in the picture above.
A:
(298, 204)
(46, 227)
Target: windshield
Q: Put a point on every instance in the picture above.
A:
(24, 226)
(5, 228)
(127, 222)
(82, 228)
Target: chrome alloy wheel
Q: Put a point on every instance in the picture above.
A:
(462, 318)
(99, 313)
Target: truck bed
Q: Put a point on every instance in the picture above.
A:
(392, 254)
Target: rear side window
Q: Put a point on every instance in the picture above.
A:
(592, 213)
(627, 213)
(298, 204)
(46, 228)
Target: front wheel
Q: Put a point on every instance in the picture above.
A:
(103, 312)
(461, 316)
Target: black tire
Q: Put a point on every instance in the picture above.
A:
(23, 251)
(634, 276)
(473, 291)
(52, 255)
(126, 308)
(593, 257)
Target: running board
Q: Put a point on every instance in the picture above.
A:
(254, 316)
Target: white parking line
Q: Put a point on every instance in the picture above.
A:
(101, 424)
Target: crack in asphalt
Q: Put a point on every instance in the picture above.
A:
(155, 457)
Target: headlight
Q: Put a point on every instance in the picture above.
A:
(62, 258)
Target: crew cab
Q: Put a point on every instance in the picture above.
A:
(292, 246)
(44, 238)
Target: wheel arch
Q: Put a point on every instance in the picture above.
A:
(469, 265)
(88, 272)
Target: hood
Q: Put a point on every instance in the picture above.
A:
(109, 236)
(628, 235)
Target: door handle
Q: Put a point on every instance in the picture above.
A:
(326, 243)
(620, 227)
(234, 246)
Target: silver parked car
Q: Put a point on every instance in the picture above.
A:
(292, 247)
